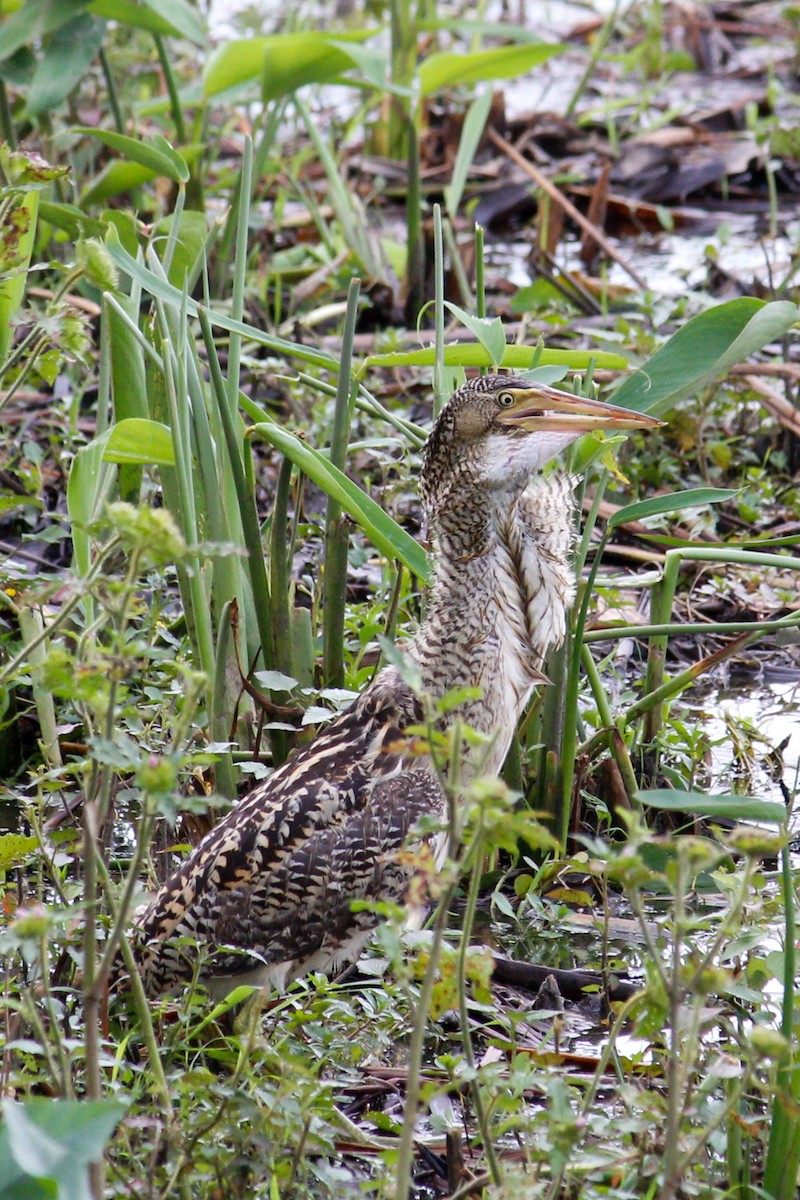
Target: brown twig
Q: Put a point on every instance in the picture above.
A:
(544, 183)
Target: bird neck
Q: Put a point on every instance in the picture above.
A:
(498, 603)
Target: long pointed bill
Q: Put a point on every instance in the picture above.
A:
(542, 407)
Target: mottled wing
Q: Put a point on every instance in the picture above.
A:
(301, 914)
(282, 856)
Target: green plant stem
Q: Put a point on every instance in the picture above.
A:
(415, 241)
(677, 684)
(457, 264)
(463, 1009)
(32, 628)
(183, 471)
(279, 572)
(783, 1147)
(716, 628)
(245, 495)
(240, 276)
(599, 43)
(565, 703)
(439, 383)
(336, 529)
(617, 746)
(405, 1148)
(113, 94)
(480, 277)
(6, 123)
(172, 88)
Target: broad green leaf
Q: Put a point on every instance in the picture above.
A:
(33, 21)
(71, 219)
(65, 59)
(169, 18)
(181, 16)
(384, 533)
(128, 379)
(54, 1140)
(15, 849)
(471, 132)
(473, 354)
(504, 62)
(156, 155)
(233, 64)
(674, 502)
(139, 441)
(192, 234)
(737, 808)
(243, 61)
(87, 483)
(275, 681)
(118, 177)
(296, 59)
(704, 349)
(489, 331)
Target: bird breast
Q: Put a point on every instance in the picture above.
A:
(493, 618)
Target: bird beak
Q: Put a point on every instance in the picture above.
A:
(540, 407)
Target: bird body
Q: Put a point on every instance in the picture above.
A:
(268, 893)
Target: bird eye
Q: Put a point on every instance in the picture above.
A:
(506, 399)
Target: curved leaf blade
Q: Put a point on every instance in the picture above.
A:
(138, 441)
(157, 155)
(385, 534)
(674, 502)
(704, 349)
(737, 808)
(64, 62)
(440, 71)
(473, 354)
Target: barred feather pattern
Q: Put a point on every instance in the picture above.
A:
(268, 893)
(270, 888)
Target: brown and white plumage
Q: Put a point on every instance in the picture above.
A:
(267, 894)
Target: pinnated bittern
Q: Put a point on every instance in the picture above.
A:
(268, 892)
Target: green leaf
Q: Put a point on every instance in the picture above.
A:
(384, 533)
(304, 57)
(703, 349)
(737, 808)
(64, 62)
(169, 18)
(16, 849)
(192, 234)
(674, 502)
(471, 131)
(115, 179)
(156, 155)
(295, 59)
(489, 331)
(473, 354)
(504, 62)
(71, 219)
(85, 487)
(139, 441)
(275, 681)
(181, 16)
(171, 295)
(46, 1146)
(33, 21)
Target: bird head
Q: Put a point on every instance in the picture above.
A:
(497, 430)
